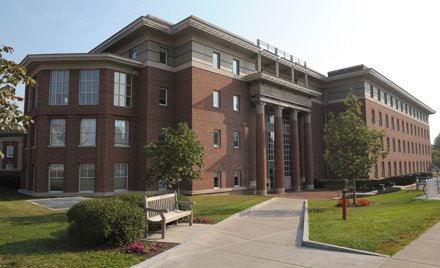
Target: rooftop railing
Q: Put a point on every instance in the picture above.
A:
(280, 53)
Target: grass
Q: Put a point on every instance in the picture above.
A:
(33, 236)
(392, 222)
(221, 207)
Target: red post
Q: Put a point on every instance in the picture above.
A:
(344, 204)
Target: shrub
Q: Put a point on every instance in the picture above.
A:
(134, 198)
(105, 221)
(201, 219)
(359, 203)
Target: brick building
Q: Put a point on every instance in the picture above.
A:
(258, 111)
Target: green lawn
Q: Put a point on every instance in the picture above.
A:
(392, 222)
(32, 236)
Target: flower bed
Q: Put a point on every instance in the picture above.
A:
(206, 220)
(148, 248)
(359, 203)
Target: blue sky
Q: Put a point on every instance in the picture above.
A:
(400, 39)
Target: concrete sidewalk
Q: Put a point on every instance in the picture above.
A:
(269, 236)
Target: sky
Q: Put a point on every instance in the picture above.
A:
(399, 39)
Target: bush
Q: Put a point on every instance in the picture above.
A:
(134, 198)
(10, 178)
(105, 222)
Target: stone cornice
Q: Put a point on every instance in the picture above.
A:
(77, 57)
(281, 82)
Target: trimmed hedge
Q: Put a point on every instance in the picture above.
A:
(371, 184)
(133, 198)
(106, 221)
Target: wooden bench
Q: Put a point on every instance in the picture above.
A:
(165, 209)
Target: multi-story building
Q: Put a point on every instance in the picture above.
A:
(258, 111)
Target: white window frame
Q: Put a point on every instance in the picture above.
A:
(236, 103)
(236, 140)
(86, 131)
(162, 185)
(216, 60)
(236, 67)
(59, 85)
(10, 151)
(237, 174)
(216, 99)
(166, 97)
(122, 90)
(163, 50)
(117, 175)
(132, 53)
(56, 130)
(126, 133)
(217, 175)
(89, 87)
(57, 176)
(218, 140)
(89, 176)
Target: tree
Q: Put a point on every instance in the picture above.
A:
(177, 157)
(436, 158)
(12, 74)
(436, 145)
(351, 148)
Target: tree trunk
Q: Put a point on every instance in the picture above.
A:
(178, 188)
(354, 191)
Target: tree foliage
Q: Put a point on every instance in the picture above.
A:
(436, 145)
(436, 158)
(12, 74)
(351, 148)
(177, 157)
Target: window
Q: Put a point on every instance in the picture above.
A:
(9, 166)
(163, 97)
(378, 95)
(122, 90)
(389, 169)
(87, 177)
(392, 122)
(34, 134)
(391, 102)
(386, 121)
(10, 151)
(404, 147)
(395, 168)
(162, 184)
(236, 139)
(398, 146)
(216, 60)
(380, 118)
(394, 145)
(121, 132)
(59, 87)
(57, 131)
(371, 91)
(217, 138)
(216, 97)
(385, 98)
(397, 104)
(121, 176)
(237, 178)
(236, 67)
(89, 87)
(163, 55)
(403, 126)
(87, 132)
(398, 124)
(56, 177)
(388, 144)
(375, 171)
(217, 179)
(236, 103)
(132, 53)
(287, 156)
(373, 117)
(383, 169)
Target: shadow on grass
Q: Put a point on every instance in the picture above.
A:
(55, 218)
(56, 242)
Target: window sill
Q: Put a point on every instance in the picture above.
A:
(85, 146)
(56, 146)
(216, 147)
(163, 105)
(122, 146)
(120, 190)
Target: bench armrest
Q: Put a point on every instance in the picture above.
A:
(187, 203)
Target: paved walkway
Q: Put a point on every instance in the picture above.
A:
(269, 236)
